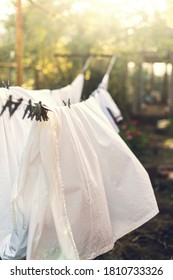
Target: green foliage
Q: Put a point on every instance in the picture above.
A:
(83, 26)
(135, 138)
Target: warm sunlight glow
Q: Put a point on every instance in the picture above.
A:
(127, 6)
(148, 6)
(159, 69)
(134, 7)
(6, 7)
(129, 10)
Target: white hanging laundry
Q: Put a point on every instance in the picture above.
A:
(43, 95)
(105, 100)
(70, 92)
(77, 87)
(108, 106)
(25, 125)
(40, 223)
(62, 94)
(13, 137)
(14, 134)
(79, 189)
(130, 197)
(8, 163)
(105, 81)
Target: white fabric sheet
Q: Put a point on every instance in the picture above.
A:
(79, 188)
(14, 134)
(106, 102)
(70, 92)
(130, 197)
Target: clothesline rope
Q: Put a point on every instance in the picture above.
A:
(83, 55)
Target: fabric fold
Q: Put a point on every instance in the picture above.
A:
(71, 93)
(79, 188)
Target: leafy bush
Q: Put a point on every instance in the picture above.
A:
(134, 137)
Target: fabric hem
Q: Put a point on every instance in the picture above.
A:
(99, 252)
(136, 225)
(123, 233)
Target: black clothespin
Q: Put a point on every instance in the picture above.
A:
(40, 112)
(64, 102)
(36, 111)
(11, 105)
(44, 112)
(69, 103)
(6, 85)
(7, 105)
(15, 105)
(28, 109)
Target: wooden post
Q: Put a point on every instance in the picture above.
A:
(152, 80)
(19, 42)
(165, 86)
(138, 89)
(170, 98)
(170, 86)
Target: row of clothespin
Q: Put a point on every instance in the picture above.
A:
(38, 111)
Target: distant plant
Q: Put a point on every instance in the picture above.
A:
(134, 137)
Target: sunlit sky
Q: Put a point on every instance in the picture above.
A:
(6, 6)
(149, 6)
(130, 5)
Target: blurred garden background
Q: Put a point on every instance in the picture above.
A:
(44, 45)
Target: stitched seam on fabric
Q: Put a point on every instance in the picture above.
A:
(59, 178)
